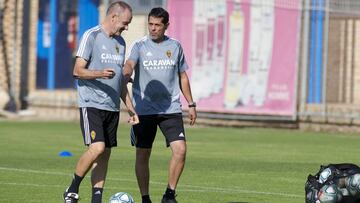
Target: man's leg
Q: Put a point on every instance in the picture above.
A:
(142, 169)
(176, 166)
(89, 157)
(142, 136)
(172, 127)
(98, 175)
(83, 165)
(177, 162)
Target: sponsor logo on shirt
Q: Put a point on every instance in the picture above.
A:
(158, 64)
(111, 58)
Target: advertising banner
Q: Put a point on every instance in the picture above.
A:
(242, 53)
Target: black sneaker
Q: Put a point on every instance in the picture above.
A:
(146, 201)
(166, 199)
(70, 197)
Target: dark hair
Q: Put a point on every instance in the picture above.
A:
(120, 4)
(159, 12)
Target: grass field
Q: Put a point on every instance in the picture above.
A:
(223, 164)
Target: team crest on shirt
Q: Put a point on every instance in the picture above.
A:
(168, 53)
(93, 134)
(117, 48)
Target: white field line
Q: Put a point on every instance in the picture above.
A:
(190, 188)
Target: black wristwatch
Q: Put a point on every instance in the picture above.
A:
(192, 105)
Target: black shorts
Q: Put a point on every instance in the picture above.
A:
(99, 126)
(171, 125)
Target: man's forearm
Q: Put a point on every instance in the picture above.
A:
(127, 72)
(85, 74)
(185, 89)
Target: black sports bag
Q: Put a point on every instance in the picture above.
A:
(336, 174)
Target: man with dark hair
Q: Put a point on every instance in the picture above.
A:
(160, 77)
(98, 69)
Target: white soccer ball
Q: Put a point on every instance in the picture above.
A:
(330, 194)
(121, 197)
(352, 184)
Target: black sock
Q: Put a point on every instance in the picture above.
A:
(146, 199)
(169, 193)
(96, 195)
(75, 184)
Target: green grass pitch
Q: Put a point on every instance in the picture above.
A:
(223, 164)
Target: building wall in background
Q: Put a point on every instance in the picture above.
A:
(339, 90)
(10, 57)
(44, 100)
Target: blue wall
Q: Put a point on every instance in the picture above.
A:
(315, 76)
(55, 56)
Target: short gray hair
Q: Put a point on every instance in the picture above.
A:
(116, 4)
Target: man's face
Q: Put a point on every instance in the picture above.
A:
(122, 21)
(156, 28)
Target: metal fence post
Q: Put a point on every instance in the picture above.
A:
(305, 54)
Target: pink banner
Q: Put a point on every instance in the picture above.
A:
(242, 55)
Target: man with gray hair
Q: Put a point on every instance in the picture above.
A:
(98, 70)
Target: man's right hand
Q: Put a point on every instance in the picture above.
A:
(108, 73)
(134, 118)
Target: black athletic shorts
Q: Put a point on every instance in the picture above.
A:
(171, 125)
(99, 126)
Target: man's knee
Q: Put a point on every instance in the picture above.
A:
(97, 148)
(143, 154)
(178, 148)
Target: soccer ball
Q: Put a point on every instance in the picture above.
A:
(324, 175)
(352, 184)
(330, 194)
(121, 197)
